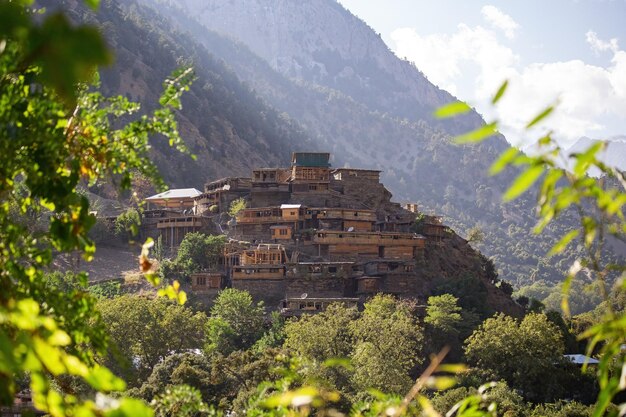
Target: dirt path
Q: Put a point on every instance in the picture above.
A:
(109, 262)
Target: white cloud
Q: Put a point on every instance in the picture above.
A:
(500, 20)
(598, 45)
(443, 57)
(475, 63)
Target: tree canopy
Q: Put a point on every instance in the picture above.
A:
(236, 322)
(57, 134)
(526, 354)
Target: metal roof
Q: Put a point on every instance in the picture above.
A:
(310, 159)
(176, 193)
(579, 359)
(290, 206)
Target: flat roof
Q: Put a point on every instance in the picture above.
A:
(290, 206)
(176, 193)
(270, 169)
(356, 169)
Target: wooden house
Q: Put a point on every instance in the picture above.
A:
(292, 212)
(298, 306)
(310, 172)
(174, 229)
(337, 244)
(206, 282)
(264, 254)
(347, 174)
(347, 219)
(319, 279)
(179, 199)
(434, 229)
(256, 272)
(221, 193)
(23, 405)
(412, 207)
(281, 232)
(270, 187)
(260, 215)
(367, 285)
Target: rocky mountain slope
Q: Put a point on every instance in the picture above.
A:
(223, 122)
(329, 71)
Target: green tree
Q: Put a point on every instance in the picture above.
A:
(146, 330)
(562, 409)
(180, 401)
(236, 323)
(442, 313)
(508, 402)
(127, 224)
(196, 252)
(322, 336)
(443, 321)
(526, 354)
(387, 345)
(470, 291)
(236, 206)
(57, 135)
(189, 368)
(274, 336)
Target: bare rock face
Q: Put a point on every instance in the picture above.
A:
(321, 42)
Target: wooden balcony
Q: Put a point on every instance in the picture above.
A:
(332, 237)
(177, 222)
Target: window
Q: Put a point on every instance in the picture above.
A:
(201, 280)
(332, 269)
(283, 232)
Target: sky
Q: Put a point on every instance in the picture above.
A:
(571, 53)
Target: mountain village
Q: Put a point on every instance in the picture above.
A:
(308, 235)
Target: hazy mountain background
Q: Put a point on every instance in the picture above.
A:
(280, 76)
(614, 154)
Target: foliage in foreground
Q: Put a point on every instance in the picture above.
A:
(58, 134)
(565, 186)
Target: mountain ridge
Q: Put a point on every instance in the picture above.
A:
(420, 160)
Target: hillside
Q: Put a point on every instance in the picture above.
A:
(369, 108)
(224, 124)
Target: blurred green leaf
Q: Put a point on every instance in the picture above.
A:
(503, 161)
(540, 117)
(500, 92)
(563, 242)
(454, 368)
(524, 181)
(441, 383)
(130, 407)
(477, 135)
(92, 3)
(452, 109)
